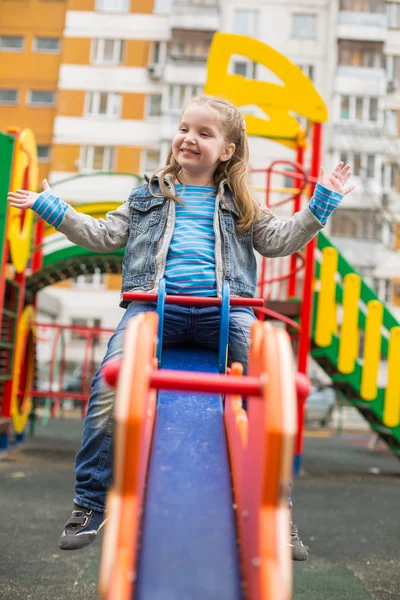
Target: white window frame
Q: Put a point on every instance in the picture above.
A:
(149, 105)
(97, 51)
(12, 48)
(245, 22)
(44, 158)
(393, 15)
(145, 167)
(112, 6)
(41, 104)
(250, 66)
(348, 157)
(92, 105)
(366, 100)
(309, 70)
(158, 51)
(86, 159)
(9, 103)
(310, 26)
(35, 47)
(180, 100)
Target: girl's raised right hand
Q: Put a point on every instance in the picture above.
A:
(24, 198)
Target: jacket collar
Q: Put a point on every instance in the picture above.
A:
(224, 193)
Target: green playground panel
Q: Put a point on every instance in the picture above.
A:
(331, 352)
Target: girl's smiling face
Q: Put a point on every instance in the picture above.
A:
(199, 144)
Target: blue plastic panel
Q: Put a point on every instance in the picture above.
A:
(188, 549)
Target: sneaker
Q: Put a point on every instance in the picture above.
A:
(298, 550)
(81, 529)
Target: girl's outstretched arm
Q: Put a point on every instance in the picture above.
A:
(273, 237)
(99, 235)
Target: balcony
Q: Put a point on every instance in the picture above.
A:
(362, 26)
(362, 80)
(190, 14)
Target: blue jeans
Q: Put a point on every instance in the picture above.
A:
(93, 464)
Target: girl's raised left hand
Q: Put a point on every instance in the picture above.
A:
(337, 180)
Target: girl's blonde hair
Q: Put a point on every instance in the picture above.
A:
(233, 173)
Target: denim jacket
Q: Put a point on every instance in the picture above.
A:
(144, 225)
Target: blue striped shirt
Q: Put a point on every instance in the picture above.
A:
(50, 208)
(323, 203)
(190, 266)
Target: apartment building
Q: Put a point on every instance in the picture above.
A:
(350, 49)
(78, 74)
(31, 39)
(125, 68)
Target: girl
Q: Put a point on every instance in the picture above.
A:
(196, 223)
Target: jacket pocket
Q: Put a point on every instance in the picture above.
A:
(230, 220)
(144, 213)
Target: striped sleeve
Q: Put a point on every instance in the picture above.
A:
(323, 203)
(50, 208)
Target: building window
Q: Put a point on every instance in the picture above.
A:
(154, 105)
(43, 153)
(11, 43)
(46, 44)
(156, 53)
(107, 51)
(392, 72)
(94, 280)
(246, 22)
(393, 172)
(393, 15)
(304, 26)
(373, 109)
(391, 122)
(370, 166)
(359, 108)
(150, 160)
(41, 98)
(343, 224)
(308, 70)
(180, 95)
(8, 96)
(345, 107)
(244, 67)
(356, 53)
(370, 6)
(79, 322)
(97, 158)
(357, 164)
(357, 224)
(99, 104)
(189, 49)
(120, 6)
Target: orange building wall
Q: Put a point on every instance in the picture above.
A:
(76, 51)
(128, 160)
(133, 106)
(29, 70)
(70, 103)
(142, 6)
(137, 53)
(64, 157)
(81, 5)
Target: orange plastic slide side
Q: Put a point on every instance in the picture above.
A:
(134, 419)
(261, 453)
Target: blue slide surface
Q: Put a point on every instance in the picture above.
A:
(188, 547)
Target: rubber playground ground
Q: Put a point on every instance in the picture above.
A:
(346, 508)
